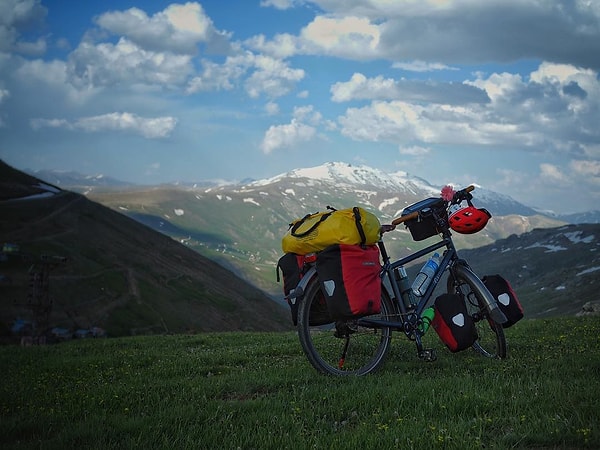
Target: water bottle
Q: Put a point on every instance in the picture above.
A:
(423, 279)
(408, 297)
(427, 317)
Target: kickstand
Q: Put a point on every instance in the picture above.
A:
(344, 352)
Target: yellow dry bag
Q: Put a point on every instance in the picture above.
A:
(314, 232)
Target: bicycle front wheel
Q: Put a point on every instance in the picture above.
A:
(491, 341)
(343, 347)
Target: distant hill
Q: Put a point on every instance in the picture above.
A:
(554, 271)
(120, 275)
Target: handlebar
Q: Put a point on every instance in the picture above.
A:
(463, 194)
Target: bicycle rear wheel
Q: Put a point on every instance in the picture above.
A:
(491, 341)
(343, 347)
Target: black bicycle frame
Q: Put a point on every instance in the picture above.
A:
(388, 269)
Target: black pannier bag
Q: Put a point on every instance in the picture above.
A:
(350, 280)
(425, 226)
(293, 269)
(507, 300)
(451, 322)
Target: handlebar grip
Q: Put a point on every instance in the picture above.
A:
(469, 188)
(411, 216)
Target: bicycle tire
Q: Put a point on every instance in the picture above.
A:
(491, 341)
(366, 348)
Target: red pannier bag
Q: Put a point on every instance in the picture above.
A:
(293, 268)
(451, 322)
(350, 280)
(507, 300)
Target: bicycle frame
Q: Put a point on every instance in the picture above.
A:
(412, 319)
(389, 267)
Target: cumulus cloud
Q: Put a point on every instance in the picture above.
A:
(151, 128)
(271, 77)
(467, 31)
(362, 88)
(178, 28)
(263, 74)
(414, 150)
(281, 46)
(552, 173)
(4, 93)
(125, 63)
(288, 135)
(17, 16)
(421, 66)
(347, 37)
(302, 128)
(535, 113)
(279, 4)
(452, 32)
(586, 170)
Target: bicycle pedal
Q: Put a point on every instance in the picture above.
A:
(428, 354)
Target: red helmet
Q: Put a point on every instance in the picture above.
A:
(468, 219)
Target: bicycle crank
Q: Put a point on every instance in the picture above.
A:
(428, 354)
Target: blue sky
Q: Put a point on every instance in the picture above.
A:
(502, 93)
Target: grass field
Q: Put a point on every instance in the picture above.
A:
(257, 391)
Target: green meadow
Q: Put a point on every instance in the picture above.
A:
(244, 390)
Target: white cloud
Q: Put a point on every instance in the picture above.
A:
(359, 87)
(379, 88)
(151, 128)
(279, 4)
(125, 63)
(215, 77)
(466, 31)
(178, 28)
(272, 108)
(286, 136)
(264, 75)
(414, 150)
(345, 37)
(421, 66)
(550, 110)
(552, 174)
(281, 46)
(4, 93)
(586, 171)
(307, 114)
(271, 77)
(17, 16)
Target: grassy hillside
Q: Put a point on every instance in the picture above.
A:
(256, 390)
(119, 274)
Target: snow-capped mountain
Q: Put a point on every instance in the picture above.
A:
(352, 176)
(385, 192)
